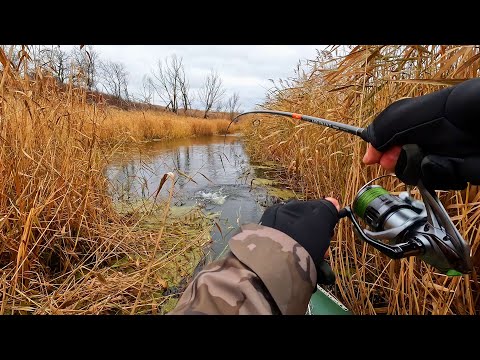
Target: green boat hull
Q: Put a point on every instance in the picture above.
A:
(322, 303)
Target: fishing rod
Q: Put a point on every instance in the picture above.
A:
(312, 119)
(400, 226)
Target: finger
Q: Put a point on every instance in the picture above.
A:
(372, 156)
(334, 202)
(390, 157)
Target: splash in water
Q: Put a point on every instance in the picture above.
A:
(214, 197)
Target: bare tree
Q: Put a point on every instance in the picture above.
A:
(57, 61)
(37, 54)
(12, 53)
(26, 58)
(147, 91)
(85, 61)
(211, 92)
(114, 78)
(185, 90)
(233, 105)
(170, 83)
(219, 106)
(30, 57)
(51, 59)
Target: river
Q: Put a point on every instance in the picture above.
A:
(212, 172)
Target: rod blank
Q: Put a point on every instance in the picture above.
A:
(328, 123)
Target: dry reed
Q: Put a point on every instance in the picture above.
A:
(125, 126)
(352, 88)
(64, 249)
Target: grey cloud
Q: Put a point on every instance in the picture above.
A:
(243, 68)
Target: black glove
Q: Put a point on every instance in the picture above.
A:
(445, 125)
(436, 172)
(311, 224)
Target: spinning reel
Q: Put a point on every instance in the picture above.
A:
(410, 228)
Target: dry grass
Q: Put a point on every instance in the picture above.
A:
(64, 249)
(353, 88)
(125, 126)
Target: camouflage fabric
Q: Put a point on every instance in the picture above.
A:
(266, 272)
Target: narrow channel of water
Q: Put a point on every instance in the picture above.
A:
(212, 172)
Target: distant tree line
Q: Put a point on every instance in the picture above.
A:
(169, 81)
(83, 67)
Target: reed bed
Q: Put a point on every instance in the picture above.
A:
(64, 248)
(352, 85)
(128, 126)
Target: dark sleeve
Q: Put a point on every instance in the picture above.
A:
(444, 122)
(462, 107)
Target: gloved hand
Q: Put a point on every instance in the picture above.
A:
(311, 224)
(444, 124)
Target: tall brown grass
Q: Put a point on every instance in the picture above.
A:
(353, 88)
(121, 125)
(64, 249)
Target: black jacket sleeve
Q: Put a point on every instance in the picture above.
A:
(445, 122)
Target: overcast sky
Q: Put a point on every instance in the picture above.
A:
(243, 68)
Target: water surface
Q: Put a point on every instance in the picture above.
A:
(212, 172)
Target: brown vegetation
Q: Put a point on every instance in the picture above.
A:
(123, 126)
(353, 88)
(64, 248)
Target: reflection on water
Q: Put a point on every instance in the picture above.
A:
(212, 172)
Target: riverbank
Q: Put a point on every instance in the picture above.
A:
(166, 265)
(121, 126)
(65, 246)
